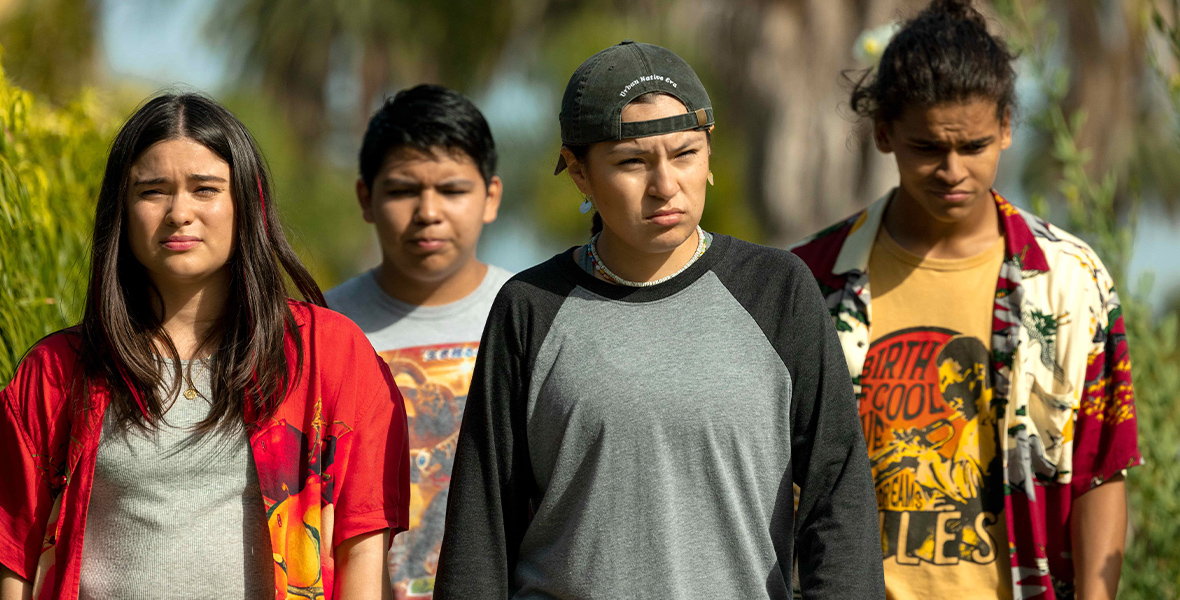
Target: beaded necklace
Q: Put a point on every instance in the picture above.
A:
(592, 251)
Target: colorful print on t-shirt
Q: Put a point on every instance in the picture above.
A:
(434, 381)
(926, 409)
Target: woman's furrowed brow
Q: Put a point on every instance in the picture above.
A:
(630, 149)
(206, 177)
(687, 145)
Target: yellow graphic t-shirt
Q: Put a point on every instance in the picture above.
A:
(927, 413)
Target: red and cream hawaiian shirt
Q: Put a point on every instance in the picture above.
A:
(333, 463)
(1060, 366)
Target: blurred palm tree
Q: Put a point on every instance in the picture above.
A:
(1107, 81)
(293, 48)
(783, 64)
(774, 68)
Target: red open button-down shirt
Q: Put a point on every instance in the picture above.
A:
(1061, 369)
(332, 463)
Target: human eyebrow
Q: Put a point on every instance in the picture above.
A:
(399, 184)
(628, 150)
(983, 141)
(205, 178)
(395, 180)
(152, 181)
(926, 142)
(691, 144)
(458, 182)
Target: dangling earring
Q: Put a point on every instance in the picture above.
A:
(586, 205)
(710, 178)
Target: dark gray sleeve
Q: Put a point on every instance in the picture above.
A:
(488, 505)
(835, 532)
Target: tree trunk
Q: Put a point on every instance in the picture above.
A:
(812, 162)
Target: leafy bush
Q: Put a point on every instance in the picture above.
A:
(1153, 556)
(1151, 567)
(51, 164)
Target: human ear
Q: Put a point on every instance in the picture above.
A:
(365, 199)
(491, 206)
(577, 171)
(1006, 129)
(881, 136)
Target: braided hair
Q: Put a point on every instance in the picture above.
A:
(944, 54)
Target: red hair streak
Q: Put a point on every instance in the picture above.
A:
(262, 199)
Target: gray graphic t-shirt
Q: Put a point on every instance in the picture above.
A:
(431, 351)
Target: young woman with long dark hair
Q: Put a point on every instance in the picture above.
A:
(199, 434)
(642, 405)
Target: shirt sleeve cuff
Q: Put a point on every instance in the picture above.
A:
(16, 557)
(360, 524)
(1117, 465)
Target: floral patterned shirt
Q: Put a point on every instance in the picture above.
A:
(333, 462)
(1060, 366)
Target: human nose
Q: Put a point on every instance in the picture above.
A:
(429, 207)
(663, 181)
(953, 168)
(180, 210)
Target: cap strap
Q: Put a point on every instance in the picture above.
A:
(693, 120)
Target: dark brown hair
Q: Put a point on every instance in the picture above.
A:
(121, 329)
(428, 118)
(944, 54)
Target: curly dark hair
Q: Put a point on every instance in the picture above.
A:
(944, 54)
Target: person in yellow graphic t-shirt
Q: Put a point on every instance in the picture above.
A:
(999, 425)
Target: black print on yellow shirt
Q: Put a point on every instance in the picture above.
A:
(926, 409)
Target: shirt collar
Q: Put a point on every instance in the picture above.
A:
(858, 245)
(1018, 236)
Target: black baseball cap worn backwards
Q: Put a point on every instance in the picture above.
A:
(592, 107)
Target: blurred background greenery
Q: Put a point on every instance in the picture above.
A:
(1097, 142)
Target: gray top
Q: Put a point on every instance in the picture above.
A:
(390, 323)
(610, 426)
(643, 442)
(174, 514)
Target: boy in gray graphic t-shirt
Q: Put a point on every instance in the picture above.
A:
(427, 183)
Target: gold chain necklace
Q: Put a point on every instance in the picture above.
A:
(191, 392)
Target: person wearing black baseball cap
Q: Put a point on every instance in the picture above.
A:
(642, 405)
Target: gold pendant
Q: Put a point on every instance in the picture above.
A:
(190, 393)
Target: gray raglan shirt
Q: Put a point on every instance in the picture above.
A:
(643, 442)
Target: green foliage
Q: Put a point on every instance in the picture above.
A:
(315, 199)
(295, 49)
(1155, 494)
(50, 45)
(51, 164)
(1167, 26)
(1152, 563)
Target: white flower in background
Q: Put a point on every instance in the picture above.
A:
(872, 42)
